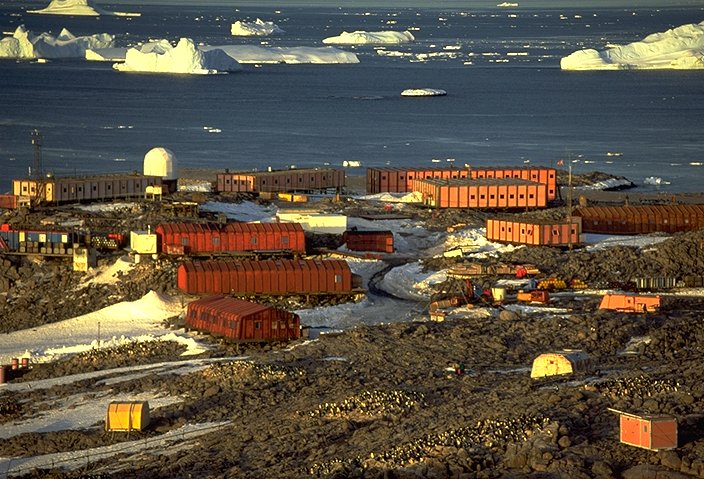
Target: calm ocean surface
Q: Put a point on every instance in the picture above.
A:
(508, 102)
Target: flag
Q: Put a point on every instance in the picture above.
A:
(560, 163)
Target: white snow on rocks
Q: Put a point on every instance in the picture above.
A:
(677, 48)
(360, 37)
(258, 28)
(23, 44)
(185, 57)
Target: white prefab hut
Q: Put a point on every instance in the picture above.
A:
(568, 361)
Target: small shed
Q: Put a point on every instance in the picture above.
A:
(143, 242)
(656, 432)
(568, 361)
(127, 416)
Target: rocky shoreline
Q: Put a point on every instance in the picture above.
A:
(381, 401)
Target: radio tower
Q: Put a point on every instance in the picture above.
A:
(37, 173)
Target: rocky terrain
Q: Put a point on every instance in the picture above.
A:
(386, 401)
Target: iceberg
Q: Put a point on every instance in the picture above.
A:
(370, 38)
(23, 44)
(678, 48)
(291, 55)
(185, 57)
(258, 28)
(106, 54)
(77, 8)
(423, 92)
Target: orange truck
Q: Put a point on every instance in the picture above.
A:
(630, 303)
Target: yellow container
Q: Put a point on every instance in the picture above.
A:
(127, 416)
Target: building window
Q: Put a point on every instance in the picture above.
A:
(338, 278)
(257, 325)
(216, 241)
(184, 240)
(253, 240)
(482, 197)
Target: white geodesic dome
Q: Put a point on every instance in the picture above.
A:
(161, 162)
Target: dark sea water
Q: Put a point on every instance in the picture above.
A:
(508, 102)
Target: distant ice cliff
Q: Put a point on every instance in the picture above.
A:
(23, 44)
(678, 48)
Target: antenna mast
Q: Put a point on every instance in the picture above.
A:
(37, 173)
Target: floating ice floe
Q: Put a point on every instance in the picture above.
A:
(185, 57)
(258, 28)
(655, 180)
(423, 92)
(83, 8)
(23, 44)
(678, 48)
(370, 38)
(289, 55)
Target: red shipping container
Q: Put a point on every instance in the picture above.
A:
(382, 241)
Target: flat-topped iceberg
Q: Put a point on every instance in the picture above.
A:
(258, 28)
(77, 8)
(678, 48)
(185, 57)
(291, 55)
(423, 92)
(370, 38)
(23, 44)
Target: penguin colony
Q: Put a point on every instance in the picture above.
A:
(487, 433)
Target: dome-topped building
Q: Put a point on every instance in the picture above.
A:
(161, 162)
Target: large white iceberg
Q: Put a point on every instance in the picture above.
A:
(370, 38)
(185, 57)
(23, 44)
(77, 8)
(257, 28)
(678, 48)
(294, 55)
